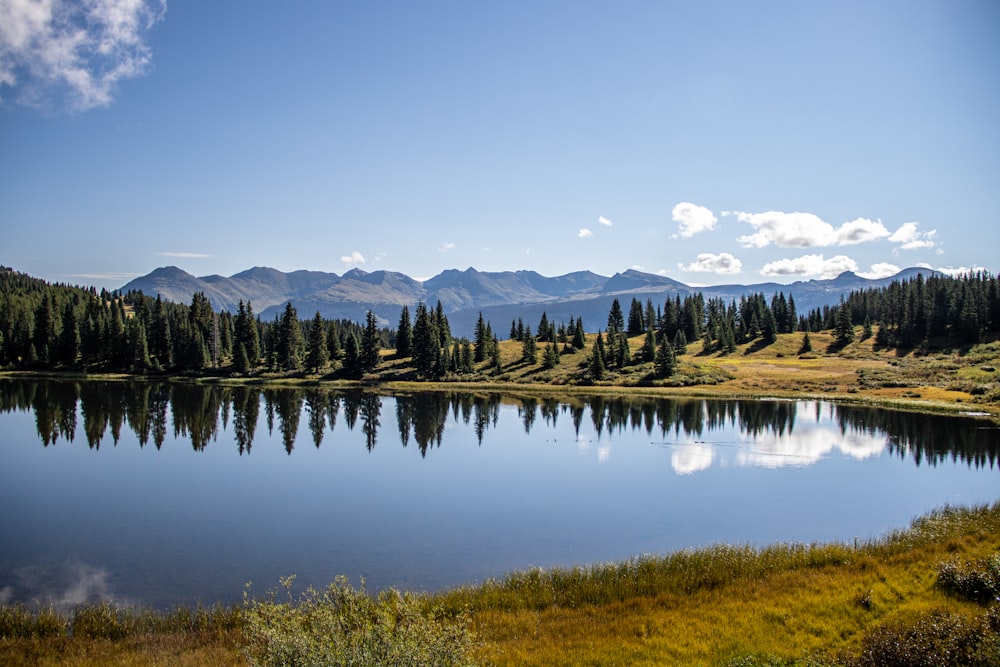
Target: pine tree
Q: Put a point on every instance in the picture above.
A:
(543, 329)
(806, 345)
(844, 331)
(404, 335)
(290, 344)
(481, 339)
(425, 342)
(550, 358)
(636, 323)
(665, 363)
(680, 343)
(596, 366)
(649, 345)
(370, 343)
(245, 334)
(352, 356)
(529, 348)
(579, 337)
(69, 339)
(616, 320)
(318, 350)
(495, 361)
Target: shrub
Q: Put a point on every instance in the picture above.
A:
(932, 639)
(345, 626)
(978, 581)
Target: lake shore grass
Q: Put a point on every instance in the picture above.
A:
(785, 604)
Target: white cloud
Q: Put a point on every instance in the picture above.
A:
(861, 231)
(584, 233)
(806, 230)
(960, 270)
(692, 219)
(55, 49)
(910, 239)
(446, 247)
(723, 263)
(637, 267)
(880, 270)
(354, 259)
(604, 221)
(184, 255)
(811, 266)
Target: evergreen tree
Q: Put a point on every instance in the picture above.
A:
(318, 351)
(404, 334)
(289, 345)
(352, 356)
(680, 343)
(844, 332)
(806, 345)
(636, 323)
(426, 349)
(370, 343)
(550, 358)
(69, 339)
(616, 320)
(649, 345)
(481, 339)
(495, 363)
(596, 365)
(240, 361)
(665, 364)
(138, 345)
(543, 328)
(333, 342)
(579, 337)
(529, 348)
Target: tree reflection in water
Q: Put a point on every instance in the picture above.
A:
(765, 426)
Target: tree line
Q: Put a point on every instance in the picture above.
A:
(63, 327)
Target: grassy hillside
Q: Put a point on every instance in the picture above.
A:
(966, 378)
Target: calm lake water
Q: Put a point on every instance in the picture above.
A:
(159, 494)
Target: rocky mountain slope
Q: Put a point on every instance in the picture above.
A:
(500, 296)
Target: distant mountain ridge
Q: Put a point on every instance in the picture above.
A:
(500, 296)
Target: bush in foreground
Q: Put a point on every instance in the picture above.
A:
(345, 626)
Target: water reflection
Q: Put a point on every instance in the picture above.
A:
(753, 433)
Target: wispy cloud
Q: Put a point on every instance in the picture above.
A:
(723, 263)
(692, 219)
(446, 247)
(806, 230)
(910, 239)
(584, 233)
(354, 259)
(810, 266)
(604, 221)
(184, 255)
(73, 54)
(102, 276)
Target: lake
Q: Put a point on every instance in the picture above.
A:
(160, 494)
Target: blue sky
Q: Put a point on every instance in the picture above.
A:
(711, 142)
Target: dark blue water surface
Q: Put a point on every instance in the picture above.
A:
(160, 494)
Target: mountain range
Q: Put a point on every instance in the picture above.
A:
(501, 297)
